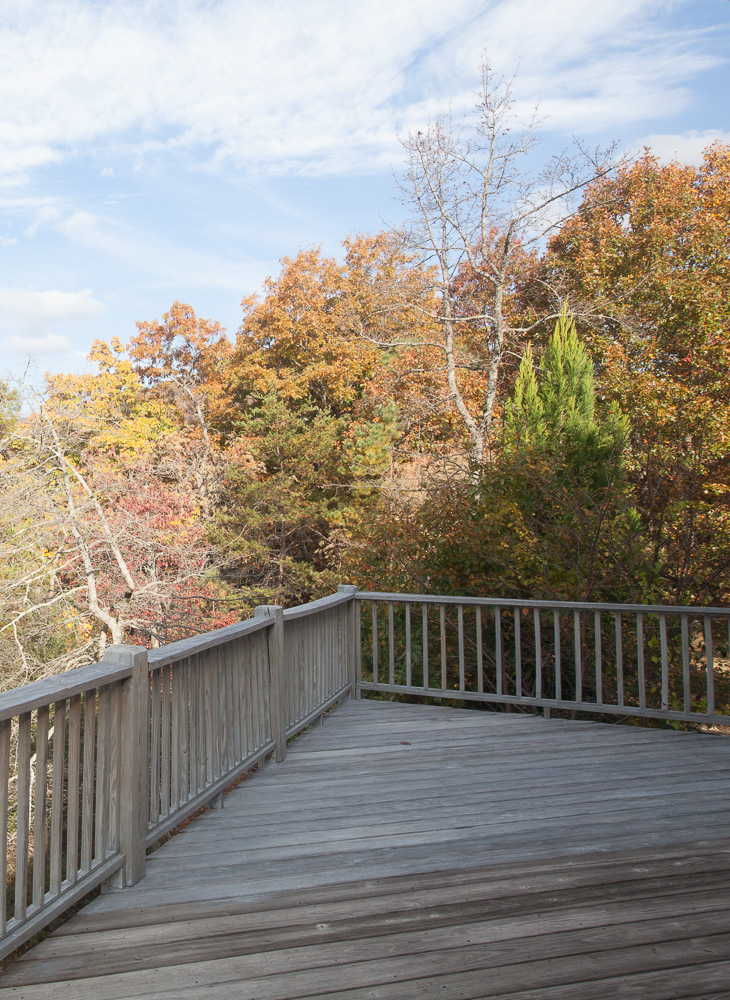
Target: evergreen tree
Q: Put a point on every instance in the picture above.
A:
(555, 414)
(551, 517)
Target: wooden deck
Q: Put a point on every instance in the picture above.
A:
(407, 851)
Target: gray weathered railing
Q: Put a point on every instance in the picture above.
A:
(652, 662)
(99, 763)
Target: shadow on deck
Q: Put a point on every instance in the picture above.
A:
(407, 851)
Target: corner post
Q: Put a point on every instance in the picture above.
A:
(133, 777)
(277, 680)
(352, 638)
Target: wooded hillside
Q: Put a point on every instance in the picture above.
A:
(504, 398)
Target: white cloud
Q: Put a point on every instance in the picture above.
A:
(687, 147)
(17, 305)
(37, 346)
(316, 87)
(28, 316)
(42, 216)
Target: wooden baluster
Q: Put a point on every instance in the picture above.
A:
(200, 715)
(176, 734)
(222, 710)
(409, 679)
(40, 814)
(303, 676)
(498, 650)
(166, 759)
(599, 658)
(460, 629)
(357, 640)
(209, 720)
(58, 766)
(115, 722)
(640, 658)
(558, 657)
(686, 684)
(101, 819)
(538, 652)
(72, 789)
(710, 665)
(480, 651)
(577, 657)
(5, 733)
(374, 612)
(665, 661)
(234, 654)
(155, 811)
(518, 652)
(248, 717)
(424, 636)
(312, 664)
(391, 644)
(442, 624)
(186, 777)
(87, 804)
(619, 659)
(262, 688)
(330, 624)
(22, 830)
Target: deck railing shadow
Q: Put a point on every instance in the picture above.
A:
(98, 764)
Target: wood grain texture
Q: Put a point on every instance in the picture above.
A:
(407, 851)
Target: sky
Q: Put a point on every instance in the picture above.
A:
(162, 150)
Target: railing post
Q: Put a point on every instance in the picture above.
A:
(352, 638)
(277, 679)
(131, 783)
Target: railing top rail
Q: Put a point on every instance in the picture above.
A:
(323, 604)
(509, 602)
(185, 648)
(60, 686)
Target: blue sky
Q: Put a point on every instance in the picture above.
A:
(155, 150)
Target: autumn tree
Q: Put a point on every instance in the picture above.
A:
(183, 360)
(282, 503)
(93, 552)
(647, 260)
(479, 214)
(311, 335)
(551, 517)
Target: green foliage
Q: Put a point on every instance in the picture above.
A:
(555, 415)
(281, 504)
(551, 517)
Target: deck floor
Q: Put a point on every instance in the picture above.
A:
(407, 851)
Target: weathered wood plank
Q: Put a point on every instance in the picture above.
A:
(381, 794)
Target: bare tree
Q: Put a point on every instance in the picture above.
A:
(89, 554)
(478, 211)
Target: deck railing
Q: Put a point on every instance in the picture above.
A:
(651, 662)
(99, 763)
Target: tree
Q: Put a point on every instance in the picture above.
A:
(552, 515)
(282, 501)
(478, 216)
(314, 333)
(647, 258)
(555, 413)
(182, 360)
(103, 490)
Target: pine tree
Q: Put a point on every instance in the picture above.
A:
(555, 414)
